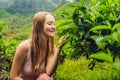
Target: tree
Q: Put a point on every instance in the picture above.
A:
(31, 6)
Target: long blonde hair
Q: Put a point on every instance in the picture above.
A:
(41, 47)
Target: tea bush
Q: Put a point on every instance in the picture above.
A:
(78, 70)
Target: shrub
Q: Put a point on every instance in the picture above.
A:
(78, 70)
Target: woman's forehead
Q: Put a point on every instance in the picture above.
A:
(49, 17)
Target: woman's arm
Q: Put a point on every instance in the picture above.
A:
(53, 59)
(52, 62)
(18, 61)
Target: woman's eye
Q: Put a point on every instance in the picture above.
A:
(49, 23)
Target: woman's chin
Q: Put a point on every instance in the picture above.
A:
(50, 36)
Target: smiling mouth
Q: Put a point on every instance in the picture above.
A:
(52, 31)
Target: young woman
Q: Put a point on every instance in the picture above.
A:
(37, 58)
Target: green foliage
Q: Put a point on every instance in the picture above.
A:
(92, 27)
(96, 28)
(65, 24)
(18, 27)
(18, 21)
(94, 34)
(7, 50)
(78, 70)
(3, 13)
(30, 6)
(100, 27)
(102, 56)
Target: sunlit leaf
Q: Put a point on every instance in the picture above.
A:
(116, 36)
(63, 23)
(108, 38)
(112, 16)
(100, 27)
(116, 26)
(109, 1)
(102, 56)
(116, 64)
(98, 40)
(108, 23)
(97, 3)
(72, 5)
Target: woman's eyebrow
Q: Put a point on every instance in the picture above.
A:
(52, 21)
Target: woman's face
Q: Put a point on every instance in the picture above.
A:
(49, 26)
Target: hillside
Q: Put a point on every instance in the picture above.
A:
(19, 25)
(29, 6)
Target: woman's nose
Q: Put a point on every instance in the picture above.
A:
(53, 26)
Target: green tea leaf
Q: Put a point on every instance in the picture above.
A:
(116, 26)
(102, 56)
(100, 27)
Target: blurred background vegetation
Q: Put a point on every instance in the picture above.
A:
(92, 50)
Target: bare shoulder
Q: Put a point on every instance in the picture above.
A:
(22, 49)
(19, 59)
(23, 45)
